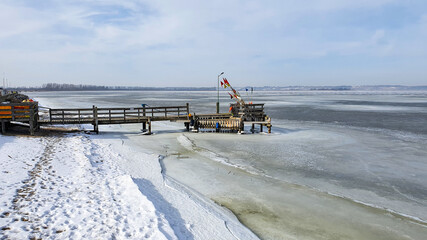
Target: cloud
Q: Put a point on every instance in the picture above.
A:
(173, 42)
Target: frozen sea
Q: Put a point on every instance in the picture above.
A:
(338, 165)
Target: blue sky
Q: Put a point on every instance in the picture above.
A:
(188, 42)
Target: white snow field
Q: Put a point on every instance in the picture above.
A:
(70, 186)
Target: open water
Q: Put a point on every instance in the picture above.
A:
(338, 165)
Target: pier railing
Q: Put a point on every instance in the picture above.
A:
(249, 112)
(19, 112)
(97, 115)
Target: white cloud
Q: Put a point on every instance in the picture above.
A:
(144, 38)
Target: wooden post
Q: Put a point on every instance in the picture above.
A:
(144, 126)
(3, 127)
(95, 119)
(149, 126)
(31, 122)
(36, 117)
(241, 126)
(196, 123)
(269, 128)
(50, 115)
(253, 128)
(188, 110)
(187, 126)
(260, 127)
(78, 111)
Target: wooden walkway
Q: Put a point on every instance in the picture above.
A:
(234, 121)
(106, 116)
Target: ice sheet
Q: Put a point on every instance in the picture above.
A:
(324, 173)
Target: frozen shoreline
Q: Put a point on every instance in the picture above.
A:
(82, 186)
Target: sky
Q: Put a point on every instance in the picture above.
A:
(187, 43)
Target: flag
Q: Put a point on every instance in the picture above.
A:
(230, 96)
(226, 82)
(233, 90)
(222, 84)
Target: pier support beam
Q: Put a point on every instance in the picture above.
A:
(3, 127)
(144, 126)
(149, 126)
(241, 126)
(95, 119)
(260, 127)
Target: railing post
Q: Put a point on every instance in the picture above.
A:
(12, 111)
(50, 115)
(188, 110)
(78, 111)
(95, 119)
(196, 123)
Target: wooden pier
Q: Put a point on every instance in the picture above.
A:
(235, 120)
(106, 116)
(227, 122)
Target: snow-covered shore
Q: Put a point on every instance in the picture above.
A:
(79, 186)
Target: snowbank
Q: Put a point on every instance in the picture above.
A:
(77, 186)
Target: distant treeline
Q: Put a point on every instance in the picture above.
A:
(84, 87)
(70, 87)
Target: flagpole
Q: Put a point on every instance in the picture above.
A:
(217, 103)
